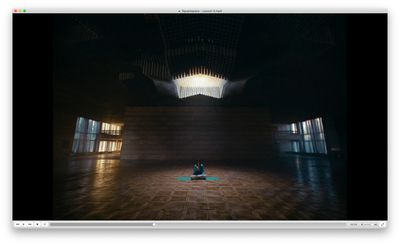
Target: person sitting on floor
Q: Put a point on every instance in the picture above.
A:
(198, 172)
(196, 169)
(201, 168)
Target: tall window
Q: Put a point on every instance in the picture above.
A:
(112, 129)
(110, 146)
(86, 135)
(295, 146)
(306, 136)
(313, 136)
(293, 128)
(94, 136)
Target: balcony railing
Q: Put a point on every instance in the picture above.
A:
(111, 132)
(286, 135)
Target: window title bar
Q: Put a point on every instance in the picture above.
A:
(193, 11)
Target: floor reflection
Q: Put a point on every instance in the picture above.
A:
(106, 174)
(316, 173)
(292, 187)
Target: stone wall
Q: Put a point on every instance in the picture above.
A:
(196, 133)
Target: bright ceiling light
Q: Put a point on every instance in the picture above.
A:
(200, 84)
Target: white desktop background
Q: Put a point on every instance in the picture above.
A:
(390, 235)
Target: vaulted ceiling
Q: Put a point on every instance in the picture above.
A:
(294, 64)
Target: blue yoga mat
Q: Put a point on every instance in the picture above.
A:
(187, 178)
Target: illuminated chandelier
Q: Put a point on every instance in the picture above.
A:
(200, 83)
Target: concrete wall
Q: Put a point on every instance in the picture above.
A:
(191, 133)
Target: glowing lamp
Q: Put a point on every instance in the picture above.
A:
(200, 84)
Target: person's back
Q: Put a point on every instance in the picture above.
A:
(201, 168)
(196, 169)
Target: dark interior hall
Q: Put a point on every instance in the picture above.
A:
(260, 99)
